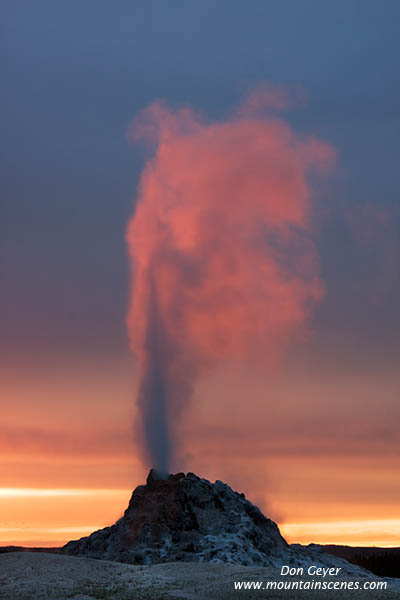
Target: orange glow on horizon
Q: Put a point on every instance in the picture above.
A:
(52, 479)
(54, 516)
(40, 492)
(381, 532)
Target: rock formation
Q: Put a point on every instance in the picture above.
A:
(185, 518)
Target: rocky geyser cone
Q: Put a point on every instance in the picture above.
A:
(185, 518)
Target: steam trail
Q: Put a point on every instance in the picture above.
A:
(221, 243)
(153, 391)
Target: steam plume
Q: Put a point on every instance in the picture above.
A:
(223, 263)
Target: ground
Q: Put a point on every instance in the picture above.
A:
(42, 576)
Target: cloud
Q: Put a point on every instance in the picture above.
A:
(39, 442)
(271, 98)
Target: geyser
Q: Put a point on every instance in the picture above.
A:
(187, 518)
(223, 260)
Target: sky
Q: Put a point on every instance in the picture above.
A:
(315, 443)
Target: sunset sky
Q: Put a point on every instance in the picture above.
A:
(314, 441)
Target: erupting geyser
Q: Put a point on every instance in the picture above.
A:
(223, 262)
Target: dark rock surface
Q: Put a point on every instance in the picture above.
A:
(186, 518)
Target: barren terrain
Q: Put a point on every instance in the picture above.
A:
(41, 576)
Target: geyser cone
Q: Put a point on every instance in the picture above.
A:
(186, 518)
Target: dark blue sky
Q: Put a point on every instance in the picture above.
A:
(75, 73)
